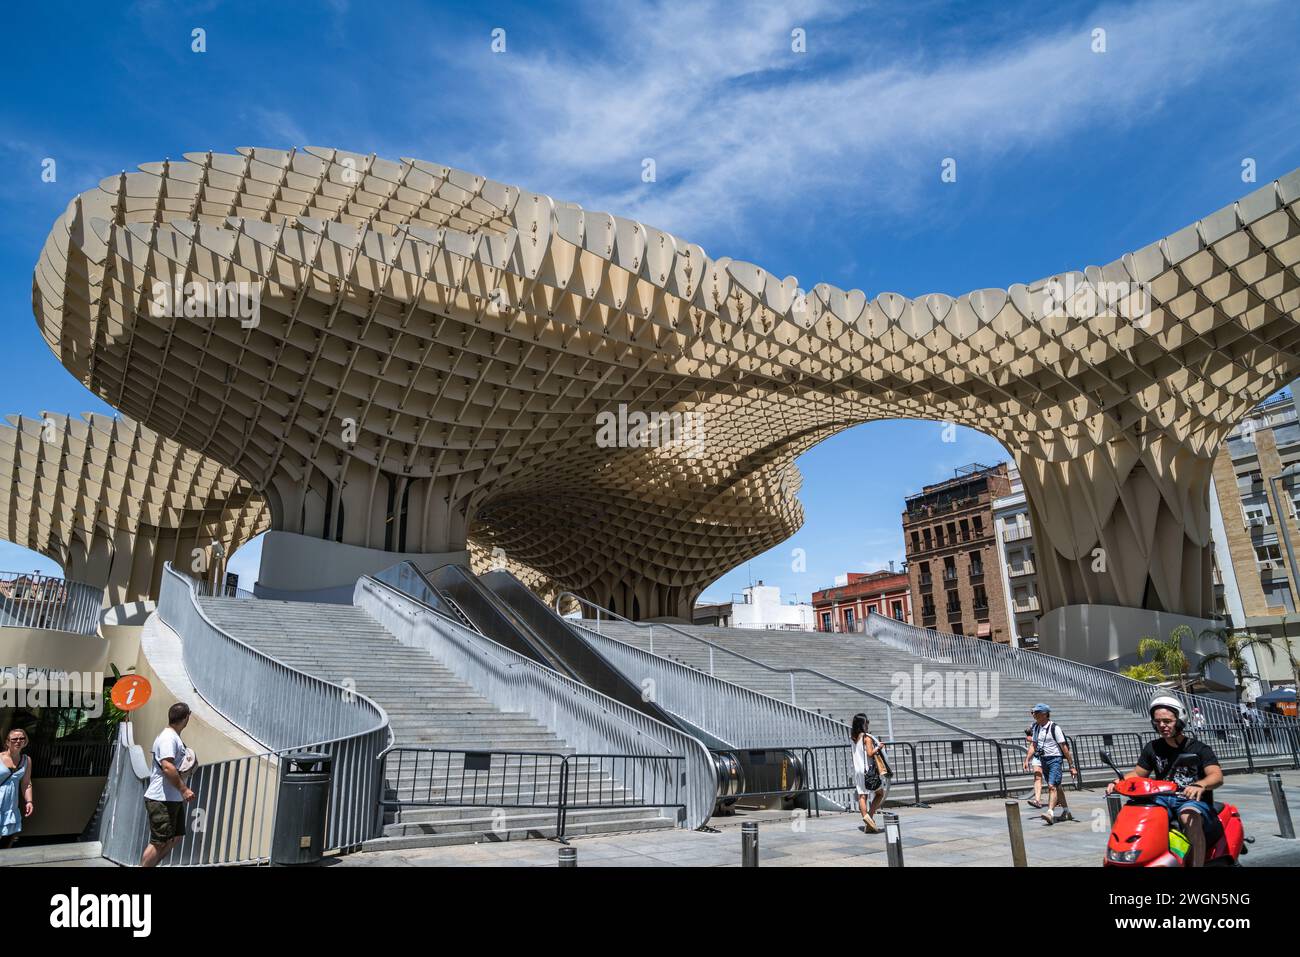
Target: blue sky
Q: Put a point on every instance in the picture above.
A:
(823, 164)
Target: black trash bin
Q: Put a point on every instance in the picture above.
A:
(300, 808)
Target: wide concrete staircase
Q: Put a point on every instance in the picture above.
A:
(864, 662)
(430, 707)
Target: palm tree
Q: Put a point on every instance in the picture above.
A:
(1146, 671)
(1234, 654)
(1168, 654)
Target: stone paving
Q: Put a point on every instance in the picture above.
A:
(961, 834)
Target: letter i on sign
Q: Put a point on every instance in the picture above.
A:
(131, 692)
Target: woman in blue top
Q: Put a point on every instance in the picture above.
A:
(15, 783)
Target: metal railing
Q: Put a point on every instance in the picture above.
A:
(749, 718)
(29, 600)
(285, 710)
(986, 765)
(543, 780)
(70, 759)
(1257, 745)
(587, 720)
(1094, 685)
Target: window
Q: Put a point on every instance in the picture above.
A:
(976, 563)
(927, 605)
(916, 540)
(952, 531)
(979, 526)
(950, 569)
(848, 619)
(1256, 514)
(925, 575)
(981, 599)
(1269, 556)
(928, 544)
(898, 610)
(1279, 594)
(965, 530)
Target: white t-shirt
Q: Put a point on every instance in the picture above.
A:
(1048, 739)
(168, 744)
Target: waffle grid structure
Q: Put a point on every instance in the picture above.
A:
(433, 353)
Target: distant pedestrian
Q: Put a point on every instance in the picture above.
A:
(1198, 720)
(15, 787)
(165, 798)
(871, 772)
(1036, 763)
(1047, 742)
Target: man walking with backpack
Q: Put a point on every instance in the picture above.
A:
(1047, 743)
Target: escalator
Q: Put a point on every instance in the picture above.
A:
(502, 608)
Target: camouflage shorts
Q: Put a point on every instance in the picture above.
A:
(166, 820)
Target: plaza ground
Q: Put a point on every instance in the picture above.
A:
(958, 834)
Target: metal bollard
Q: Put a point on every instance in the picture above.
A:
(568, 857)
(749, 844)
(1114, 804)
(1017, 834)
(1280, 806)
(893, 838)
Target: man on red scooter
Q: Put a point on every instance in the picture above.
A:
(1192, 765)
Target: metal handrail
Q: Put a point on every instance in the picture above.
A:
(284, 710)
(1092, 684)
(588, 720)
(539, 780)
(297, 709)
(49, 602)
(889, 705)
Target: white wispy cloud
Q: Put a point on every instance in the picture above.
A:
(739, 126)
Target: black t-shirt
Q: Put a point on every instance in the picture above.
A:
(1158, 758)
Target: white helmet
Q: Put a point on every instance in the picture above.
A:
(1173, 704)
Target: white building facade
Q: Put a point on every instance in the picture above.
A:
(1016, 563)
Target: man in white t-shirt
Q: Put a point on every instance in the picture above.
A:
(167, 794)
(1047, 743)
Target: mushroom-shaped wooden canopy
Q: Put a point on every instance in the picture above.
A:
(111, 501)
(434, 352)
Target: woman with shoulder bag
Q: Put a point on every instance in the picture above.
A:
(15, 787)
(870, 772)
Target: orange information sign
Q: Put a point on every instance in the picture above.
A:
(130, 692)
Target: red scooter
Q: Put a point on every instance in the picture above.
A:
(1142, 836)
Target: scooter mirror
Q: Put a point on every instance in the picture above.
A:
(1105, 756)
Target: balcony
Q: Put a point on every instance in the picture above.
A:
(977, 571)
(1025, 604)
(1272, 571)
(1024, 568)
(926, 581)
(950, 574)
(1014, 533)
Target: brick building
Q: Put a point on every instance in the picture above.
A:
(845, 607)
(1255, 523)
(952, 566)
